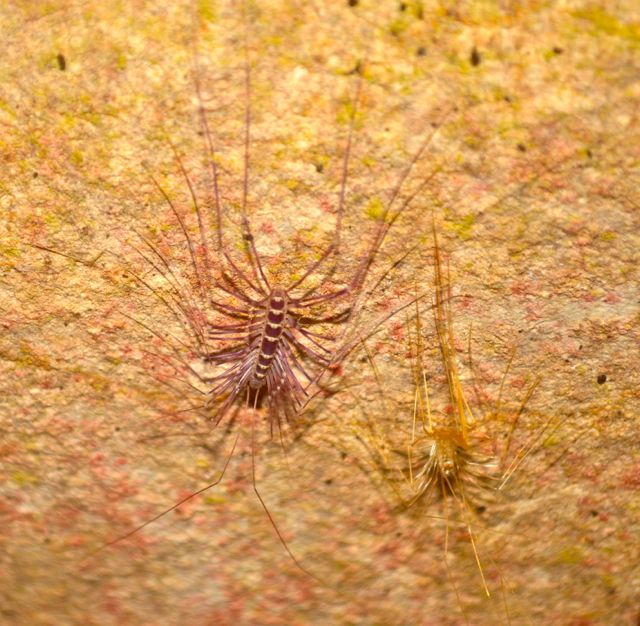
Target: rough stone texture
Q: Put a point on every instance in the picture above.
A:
(533, 186)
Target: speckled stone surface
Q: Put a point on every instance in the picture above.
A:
(531, 177)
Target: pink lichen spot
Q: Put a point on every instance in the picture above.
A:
(535, 312)
(631, 480)
(398, 332)
(524, 288)
(326, 204)
(189, 503)
(76, 541)
(487, 373)
(97, 459)
(573, 227)
(268, 228)
(581, 621)
(201, 519)
(465, 303)
(462, 534)
(517, 382)
(380, 512)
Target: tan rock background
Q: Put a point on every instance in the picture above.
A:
(533, 182)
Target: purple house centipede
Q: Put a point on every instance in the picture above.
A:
(264, 335)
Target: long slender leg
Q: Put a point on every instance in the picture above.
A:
(181, 502)
(272, 520)
(335, 244)
(216, 190)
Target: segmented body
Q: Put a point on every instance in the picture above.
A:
(271, 338)
(267, 349)
(443, 459)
